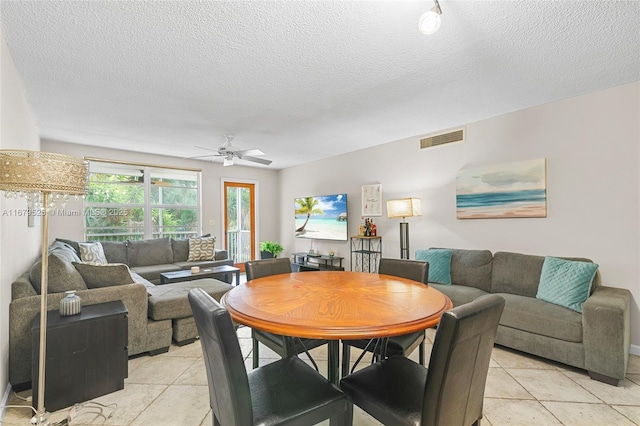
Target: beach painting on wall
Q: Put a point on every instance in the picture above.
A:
(517, 189)
(321, 218)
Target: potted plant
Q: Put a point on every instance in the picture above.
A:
(269, 249)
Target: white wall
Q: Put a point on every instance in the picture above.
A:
(591, 144)
(72, 227)
(19, 244)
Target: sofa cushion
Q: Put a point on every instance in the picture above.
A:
(149, 252)
(181, 248)
(115, 252)
(459, 294)
(92, 252)
(472, 268)
(539, 317)
(170, 300)
(62, 275)
(201, 249)
(99, 275)
(516, 273)
(439, 264)
(565, 282)
(152, 272)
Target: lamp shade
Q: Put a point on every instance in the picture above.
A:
(404, 207)
(35, 171)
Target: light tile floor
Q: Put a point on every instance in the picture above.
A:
(171, 389)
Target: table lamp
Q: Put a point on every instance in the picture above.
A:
(404, 207)
(44, 179)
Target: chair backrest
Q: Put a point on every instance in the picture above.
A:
(229, 394)
(459, 362)
(262, 268)
(416, 270)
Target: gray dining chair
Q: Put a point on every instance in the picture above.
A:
(398, 345)
(285, 392)
(284, 346)
(398, 391)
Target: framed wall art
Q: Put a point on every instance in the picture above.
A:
(517, 189)
(372, 200)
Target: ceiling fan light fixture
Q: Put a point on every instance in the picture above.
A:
(228, 161)
(430, 21)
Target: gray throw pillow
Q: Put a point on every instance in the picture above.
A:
(62, 276)
(115, 252)
(99, 275)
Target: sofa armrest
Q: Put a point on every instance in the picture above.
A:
(220, 254)
(606, 326)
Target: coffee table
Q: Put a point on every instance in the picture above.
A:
(187, 275)
(336, 305)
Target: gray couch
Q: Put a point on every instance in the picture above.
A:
(157, 313)
(597, 340)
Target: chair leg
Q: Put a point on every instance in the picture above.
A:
(421, 353)
(256, 355)
(346, 354)
(343, 418)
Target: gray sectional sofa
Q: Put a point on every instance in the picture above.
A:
(596, 340)
(157, 313)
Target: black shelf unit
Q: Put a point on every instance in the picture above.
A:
(315, 262)
(365, 253)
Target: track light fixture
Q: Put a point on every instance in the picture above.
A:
(430, 21)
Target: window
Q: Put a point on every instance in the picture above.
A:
(135, 202)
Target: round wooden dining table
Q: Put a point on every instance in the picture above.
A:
(336, 305)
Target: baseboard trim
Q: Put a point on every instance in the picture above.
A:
(635, 350)
(5, 402)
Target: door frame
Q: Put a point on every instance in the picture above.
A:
(223, 213)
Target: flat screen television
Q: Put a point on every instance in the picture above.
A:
(322, 218)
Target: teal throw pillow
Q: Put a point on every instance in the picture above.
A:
(566, 282)
(439, 264)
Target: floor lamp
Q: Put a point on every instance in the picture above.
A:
(404, 207)
(43, 179)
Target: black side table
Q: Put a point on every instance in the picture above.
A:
(87, 354)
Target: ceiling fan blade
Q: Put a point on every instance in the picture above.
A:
(256, 159)
(252, 151)
(205, 148)
(203, 156)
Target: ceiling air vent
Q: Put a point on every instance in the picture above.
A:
(442, 139)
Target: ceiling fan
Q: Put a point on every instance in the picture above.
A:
(230, 153)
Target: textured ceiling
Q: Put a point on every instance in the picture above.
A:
(303, 80)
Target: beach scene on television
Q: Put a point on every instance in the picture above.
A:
(321, 218)
(517, 189)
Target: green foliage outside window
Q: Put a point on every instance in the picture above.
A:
(115, 207)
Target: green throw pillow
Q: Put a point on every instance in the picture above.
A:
(566, 282)
(439, 264)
